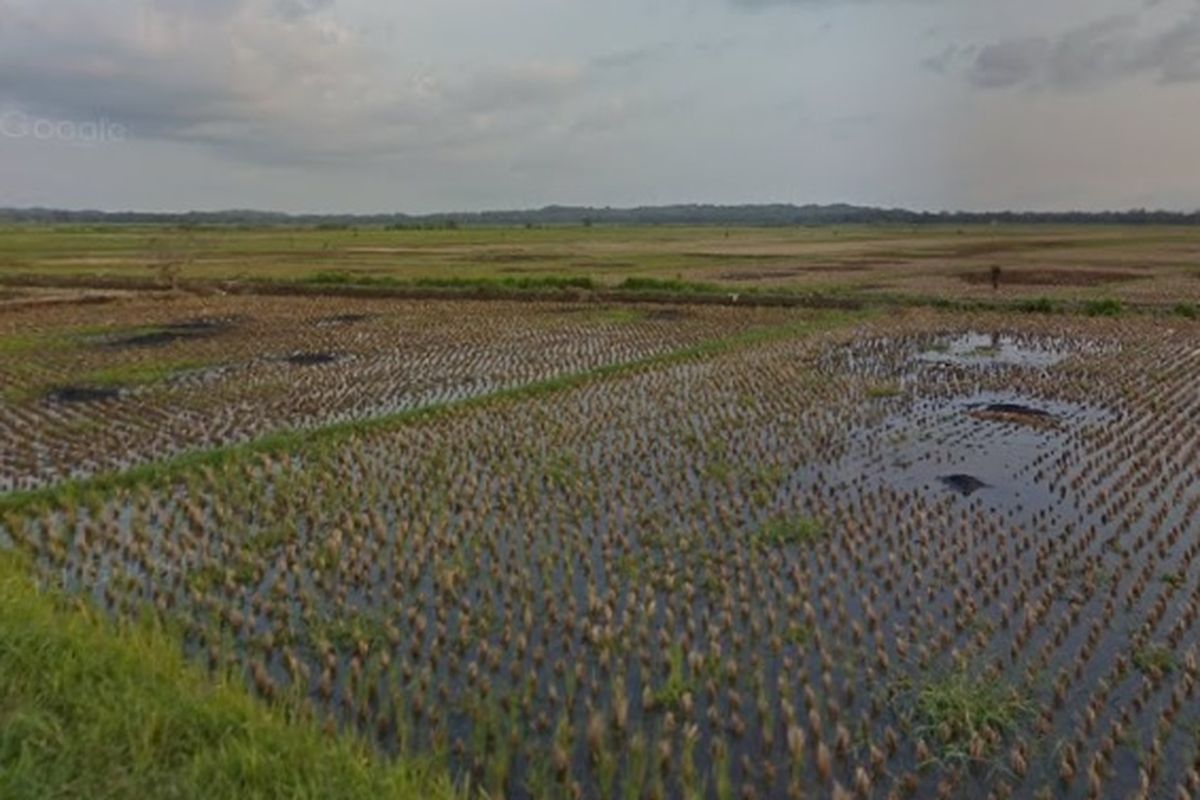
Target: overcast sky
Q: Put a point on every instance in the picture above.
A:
(424, 105)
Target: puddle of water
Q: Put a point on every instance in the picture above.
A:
(311, 359)
(964, 484)
(942, 445)
(980, 348)
(342, 319)
(82, 394)
(183, 330)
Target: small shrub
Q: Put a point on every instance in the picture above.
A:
(1187, 311)
(1154, 659)
(783, 530)
(330, 277)
(1040, 305)
(670, 694)
(963, 708)
(1104, 308)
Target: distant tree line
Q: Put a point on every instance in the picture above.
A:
(761, 215)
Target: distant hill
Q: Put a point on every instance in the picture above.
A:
(778, 214)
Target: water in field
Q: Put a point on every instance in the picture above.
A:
(650, 586)
(979, 349)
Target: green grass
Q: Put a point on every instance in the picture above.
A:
(140, 374)
(91, 710)
(961, 707)
(1187, 310)
(24, 343)
(1154, 659)
(882, 391)
(670, 694)
(1038, 305)
(783, 530)
(330, 277)
(1108, 307)
(1176, 580)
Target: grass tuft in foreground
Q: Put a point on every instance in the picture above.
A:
(87, 710)
(964, 713)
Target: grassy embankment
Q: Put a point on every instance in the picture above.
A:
(90, 709)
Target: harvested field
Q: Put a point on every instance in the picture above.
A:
(1142, 265)
(835, 559)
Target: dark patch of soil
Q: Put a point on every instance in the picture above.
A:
(1016, 408)
(754, 274)
(784, 272)
(966, 485)
(202, 324)
(1050, 277)
(82, 394)
(857, 266)
(736, 256)
(668, 314)
(152, 339)
(1017, 413)
(343, 319)
(195, 328)
(512, 258)
(311, 359)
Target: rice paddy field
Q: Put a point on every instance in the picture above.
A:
(110, 386)
(586, 550)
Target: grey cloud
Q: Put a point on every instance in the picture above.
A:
(261, 80)
(634, 57)
(518, 86)
(1091, 55)
(943, 62)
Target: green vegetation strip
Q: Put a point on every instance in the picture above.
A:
(143, 374)
(79, 491)
(533, 283)
(90, 709)
(573, 288)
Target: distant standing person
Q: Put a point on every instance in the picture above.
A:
(996, 278)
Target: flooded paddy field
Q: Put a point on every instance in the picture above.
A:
(90, 389)
(926, 556)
